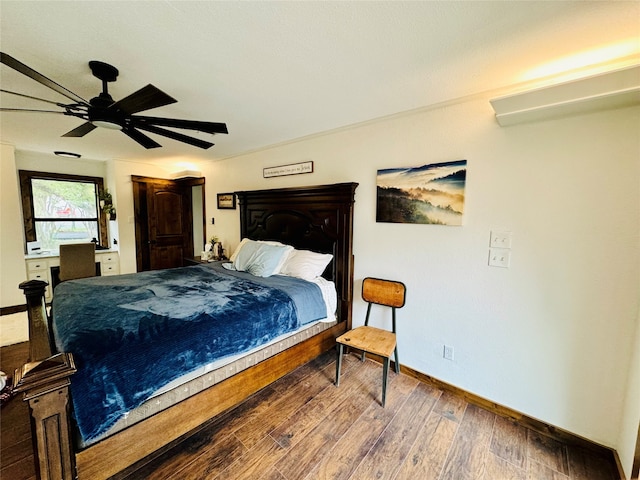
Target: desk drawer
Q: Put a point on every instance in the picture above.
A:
(109, 263)
(109, 268)
(36, 265)
(108, 258)
(39, 275)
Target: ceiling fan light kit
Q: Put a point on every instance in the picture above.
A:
(103, 111)
(67, 154)
(106, 124)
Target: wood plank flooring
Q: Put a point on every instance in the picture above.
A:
(16, 450)
(303, 427)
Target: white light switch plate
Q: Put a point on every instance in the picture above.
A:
(499, 257)
(500, 239)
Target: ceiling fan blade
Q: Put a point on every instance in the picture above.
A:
(144, 99)
(207, 127)
(81, 131)
(140, 137)
(32, 98)
(196, 142)
(18, 66)
(29, 110)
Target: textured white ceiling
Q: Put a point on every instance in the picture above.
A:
(277, 71)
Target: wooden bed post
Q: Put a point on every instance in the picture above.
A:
(39, 339)
(45, 383)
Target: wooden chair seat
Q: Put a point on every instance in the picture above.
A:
(371, 339)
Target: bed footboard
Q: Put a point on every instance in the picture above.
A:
(44, 381)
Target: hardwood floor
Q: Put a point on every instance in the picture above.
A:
(303, 427)
(16, 450)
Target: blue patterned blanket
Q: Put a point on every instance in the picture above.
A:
(132, 334)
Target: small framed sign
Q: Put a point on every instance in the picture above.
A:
(227, 200)
(292, 169)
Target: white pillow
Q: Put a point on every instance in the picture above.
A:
(238, 248)
(260, 259)
(244, 241)
(305, 264)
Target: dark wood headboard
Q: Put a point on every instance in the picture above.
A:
(317, 218)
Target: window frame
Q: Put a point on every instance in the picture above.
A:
(27, 200)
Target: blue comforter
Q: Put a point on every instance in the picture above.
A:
(132, 334)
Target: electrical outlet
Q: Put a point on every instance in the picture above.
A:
(448, 352)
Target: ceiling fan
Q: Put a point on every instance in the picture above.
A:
(103, 111)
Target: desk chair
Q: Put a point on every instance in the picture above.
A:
(375, 340)
(77, 260)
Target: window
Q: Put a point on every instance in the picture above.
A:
(61, 208)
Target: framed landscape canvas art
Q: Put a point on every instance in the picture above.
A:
(430, 194)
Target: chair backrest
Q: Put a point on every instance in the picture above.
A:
(383, 292)
(77, 260)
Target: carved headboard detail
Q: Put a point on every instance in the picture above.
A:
(317, 218)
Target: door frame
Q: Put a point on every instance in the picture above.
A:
(141, 214)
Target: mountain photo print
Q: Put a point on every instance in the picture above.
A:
(430, 194)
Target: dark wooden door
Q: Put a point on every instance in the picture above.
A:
(164, 222)
(167, 225)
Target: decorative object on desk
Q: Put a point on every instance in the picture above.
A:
(429, 194)
(106, 204)
(292, 169)
(94, 240)
(33, 248)
(227, 201)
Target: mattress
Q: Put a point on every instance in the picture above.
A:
(212, 374)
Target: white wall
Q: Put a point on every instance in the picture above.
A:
(631, 414)
(12, 267)
(43, 162)
(552, 336)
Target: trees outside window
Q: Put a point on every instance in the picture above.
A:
(62, 208)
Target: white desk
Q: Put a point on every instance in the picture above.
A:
(39, 266)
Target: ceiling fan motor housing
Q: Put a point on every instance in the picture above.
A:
(102, 101)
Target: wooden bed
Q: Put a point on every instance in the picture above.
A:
(318, 218)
